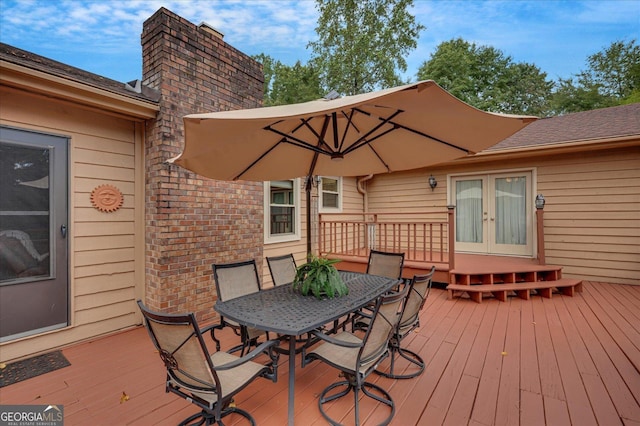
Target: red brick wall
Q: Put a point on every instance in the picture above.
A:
(191, 221)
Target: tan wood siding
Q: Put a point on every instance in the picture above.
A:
(592, 214)
(104, 275)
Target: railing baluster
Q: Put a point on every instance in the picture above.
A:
(368, 230)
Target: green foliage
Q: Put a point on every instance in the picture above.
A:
(285, 84)
(363, 43)
(319, 277)
(612, 78)
(485, 78)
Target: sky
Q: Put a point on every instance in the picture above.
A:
(103, 36)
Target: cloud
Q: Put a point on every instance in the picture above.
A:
(104, 36)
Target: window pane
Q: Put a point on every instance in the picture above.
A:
(24, 212)
(329, 200)
(329, 184)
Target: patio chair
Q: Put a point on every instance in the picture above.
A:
(234, 280)
(282, 269)
(357, 357)
(209, 381)
(385, 264)
(410, 320)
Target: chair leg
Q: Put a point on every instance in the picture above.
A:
(350, 386)
(408, 355)
(213, 336)
(207, 418)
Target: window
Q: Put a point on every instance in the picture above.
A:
(330, 190)
(282, 210)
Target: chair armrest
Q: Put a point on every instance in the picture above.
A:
(335, 341)
(209, 328)
(262, 348)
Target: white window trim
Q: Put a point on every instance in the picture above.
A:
(272, 239)
(321, 207)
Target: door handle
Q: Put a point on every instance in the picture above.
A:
(63, 231)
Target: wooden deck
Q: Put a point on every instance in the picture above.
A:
(560, 361)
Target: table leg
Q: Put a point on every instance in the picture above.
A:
(292, 377)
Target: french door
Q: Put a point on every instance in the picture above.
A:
(34, 287)
(494, 213)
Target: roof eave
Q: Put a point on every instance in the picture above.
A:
(555, 148)
(36, 81)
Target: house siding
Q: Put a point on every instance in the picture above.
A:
(104, 277)
(592, 212)
(592, 215)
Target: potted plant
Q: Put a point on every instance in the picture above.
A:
(319, 277)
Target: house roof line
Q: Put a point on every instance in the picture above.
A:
(555, 148)
(29, 71)
(564, 144)
(61, 87)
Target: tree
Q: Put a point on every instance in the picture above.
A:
(362, 44)
(612, 78)
(485, 78)
(285, 84)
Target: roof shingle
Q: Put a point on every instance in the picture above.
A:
(605, 123)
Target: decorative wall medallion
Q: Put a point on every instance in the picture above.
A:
(106, 198)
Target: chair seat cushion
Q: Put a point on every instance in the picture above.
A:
(340, 356)
(230, 380)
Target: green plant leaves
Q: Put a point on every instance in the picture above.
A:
(319, 277)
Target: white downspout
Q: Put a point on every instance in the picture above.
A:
(362, 190)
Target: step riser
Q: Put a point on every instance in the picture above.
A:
(505, 277)
(568, 287)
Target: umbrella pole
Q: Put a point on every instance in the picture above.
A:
(307, 188)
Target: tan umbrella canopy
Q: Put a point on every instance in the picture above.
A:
(400, 128)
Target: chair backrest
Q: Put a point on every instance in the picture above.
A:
(236, 279)
(282, 269)
(384, 320)
(416, 298)
(385, 264)
(182, 349)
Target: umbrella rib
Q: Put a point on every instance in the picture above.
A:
(296, 141)
(380, 158)
(350, 123)
(363, 139)
(409, 129)
(264, 154)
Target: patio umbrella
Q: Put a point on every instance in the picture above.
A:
(401, 128)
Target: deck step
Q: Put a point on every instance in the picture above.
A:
(567, 286)
(539, 273)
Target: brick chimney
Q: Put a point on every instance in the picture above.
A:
(192, 221)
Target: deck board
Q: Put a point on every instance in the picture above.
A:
(566, 360)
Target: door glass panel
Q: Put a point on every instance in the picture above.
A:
(469, 211)
(25, 242)
(510, 210)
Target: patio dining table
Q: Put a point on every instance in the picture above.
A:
(285, 311)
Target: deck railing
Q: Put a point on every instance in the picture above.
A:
(423, 237)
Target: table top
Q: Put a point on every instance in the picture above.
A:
(283, 310)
